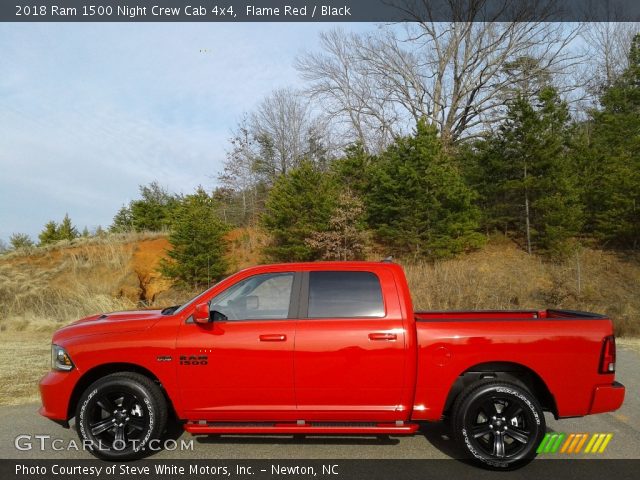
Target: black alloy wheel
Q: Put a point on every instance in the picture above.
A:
(118, 415)
(498, 424)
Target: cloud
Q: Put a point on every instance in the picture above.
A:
(88, 112)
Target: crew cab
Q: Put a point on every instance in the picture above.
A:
(328, 348)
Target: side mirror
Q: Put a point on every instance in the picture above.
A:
(201, 314)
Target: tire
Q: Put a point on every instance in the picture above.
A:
(498, 425)
(118, 415)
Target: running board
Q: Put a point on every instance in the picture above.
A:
(400, 428)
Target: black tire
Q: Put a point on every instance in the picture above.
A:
(118, 415)
(498, 424)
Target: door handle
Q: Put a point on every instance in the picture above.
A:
(273, 337)
(383, 336)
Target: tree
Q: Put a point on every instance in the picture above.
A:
(418, 201)
(66, 230)
(451, 74)
(606, 51)
(123, 220)
(49, 234)
(527, 173)
(299, 205)
(346, 237)
(196, 257)
(20, 241)
(613, 169)
(152, 212)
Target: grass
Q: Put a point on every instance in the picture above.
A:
(502, 276)
(25, 359)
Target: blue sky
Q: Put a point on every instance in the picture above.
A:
(90, 111)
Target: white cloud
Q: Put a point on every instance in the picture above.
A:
(88, 112)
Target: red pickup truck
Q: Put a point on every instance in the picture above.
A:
(328, 348)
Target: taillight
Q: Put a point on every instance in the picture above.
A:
(608, 356)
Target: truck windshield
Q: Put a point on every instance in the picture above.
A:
(195, 299)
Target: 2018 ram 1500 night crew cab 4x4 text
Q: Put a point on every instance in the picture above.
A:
(328, 348)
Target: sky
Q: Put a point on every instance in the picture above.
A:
(88, 112)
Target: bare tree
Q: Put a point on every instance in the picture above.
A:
(453, 74)
(284, 127)
(606, 50)
(267, 143)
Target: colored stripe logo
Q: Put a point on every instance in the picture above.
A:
(574, 443)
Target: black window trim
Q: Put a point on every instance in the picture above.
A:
(304, 297)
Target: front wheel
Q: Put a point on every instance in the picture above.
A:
(498, 424)
(118, 415)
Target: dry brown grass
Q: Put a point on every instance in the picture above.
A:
(25, 359)
(501, 276)
(44, 288)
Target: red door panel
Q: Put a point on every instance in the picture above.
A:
(350, 367)
(342, 374)
(249, 370)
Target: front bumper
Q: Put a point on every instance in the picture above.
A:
(607, 398)
(56, 389)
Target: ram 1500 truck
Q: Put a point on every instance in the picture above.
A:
(328, 348)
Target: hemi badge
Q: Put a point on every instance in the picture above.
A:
(164, 358)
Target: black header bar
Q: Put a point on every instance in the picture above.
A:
(318, 10)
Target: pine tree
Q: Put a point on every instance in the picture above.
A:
(196, 257)
(527, 174)
(20, 241)
(152, 212)
(417, 200)
(49, 234)
(66, 229)
(300, 204)
(613, 167)
(122, 221)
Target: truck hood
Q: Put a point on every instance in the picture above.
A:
(130, 321)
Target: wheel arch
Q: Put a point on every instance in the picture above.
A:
(504, 371)
(100, 371)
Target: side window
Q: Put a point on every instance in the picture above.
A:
(259, 297)
(344, 295)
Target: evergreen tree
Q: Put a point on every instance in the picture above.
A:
(196, 257)
(66, 229)
(418, 201)
(613, 166)
(300, 204)
(527, 175)
(49, 234)
(152, 212)
(122, 221)
(20, 240)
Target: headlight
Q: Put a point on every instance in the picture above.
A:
(60, 359)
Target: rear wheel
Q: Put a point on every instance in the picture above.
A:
(498, 424)
(118, 415)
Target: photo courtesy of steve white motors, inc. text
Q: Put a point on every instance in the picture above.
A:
(159, 470)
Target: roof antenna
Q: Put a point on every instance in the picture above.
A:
(389, 259)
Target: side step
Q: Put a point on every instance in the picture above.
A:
(203, 428)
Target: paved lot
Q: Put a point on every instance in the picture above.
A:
(431, 444)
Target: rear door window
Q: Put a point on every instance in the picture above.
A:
(345, 294)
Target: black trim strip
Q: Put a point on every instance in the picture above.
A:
(570, 315)
(294, 299)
